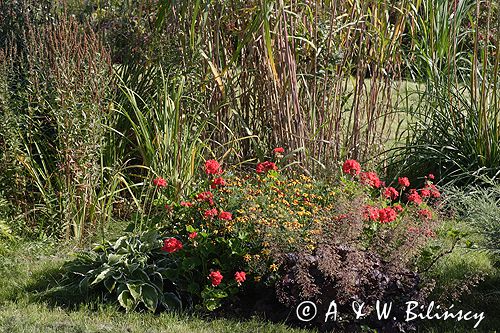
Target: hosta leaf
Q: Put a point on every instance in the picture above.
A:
(149, 297)
(120, 243)
(103, 275)
(172, 301)
(135, 290)
(113, 259)
(126, 300)
(110, 284)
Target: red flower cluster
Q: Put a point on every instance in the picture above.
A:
(186, 204)
(370, 179)
(212, 167)
(278, 150)
(265, 167)
(160, 182)
(219, 181)
(210, 213)
(215, 277)
(171, 245)
(240, 277)
(206, 196)
(193, 235)
(425, 193)
(434, 192)
(391, 193)
(351, 167)
(414, 197)
(404, 181)
(227, 216)
(371, 213)
(387, 215)
(384, 215)
(425, 214)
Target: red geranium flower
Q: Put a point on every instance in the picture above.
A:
(186, 204)
(193, 235)
(387, 215)
(212, 167)
(210, 212)
(371, 213)
(351, 167)
(160, 182)
(414, 197)
(225, 216)
(370, 179)
(431, 176)
(404, 181)
(219, 181)
(206, 196)
(215, 277)
(240, 277)
(171, 245)
(278, 150)
(433, 189)
(425, 193)
(265, 167)
(391, 193)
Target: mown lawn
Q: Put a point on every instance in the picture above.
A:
(23, 316)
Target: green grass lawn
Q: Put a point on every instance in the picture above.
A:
(22, 316)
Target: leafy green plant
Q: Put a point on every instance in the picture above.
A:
(127, 270)
(166, 137)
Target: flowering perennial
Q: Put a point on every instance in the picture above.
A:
(160, 182)
(212, 167)
(351, 167)
(215, 277)
(171, 245)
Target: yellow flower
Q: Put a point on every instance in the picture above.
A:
(247, 257)
(273, 267)
(257, 278)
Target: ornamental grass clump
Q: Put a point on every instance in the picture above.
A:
(352, 239)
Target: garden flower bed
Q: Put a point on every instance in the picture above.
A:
(264, 234)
